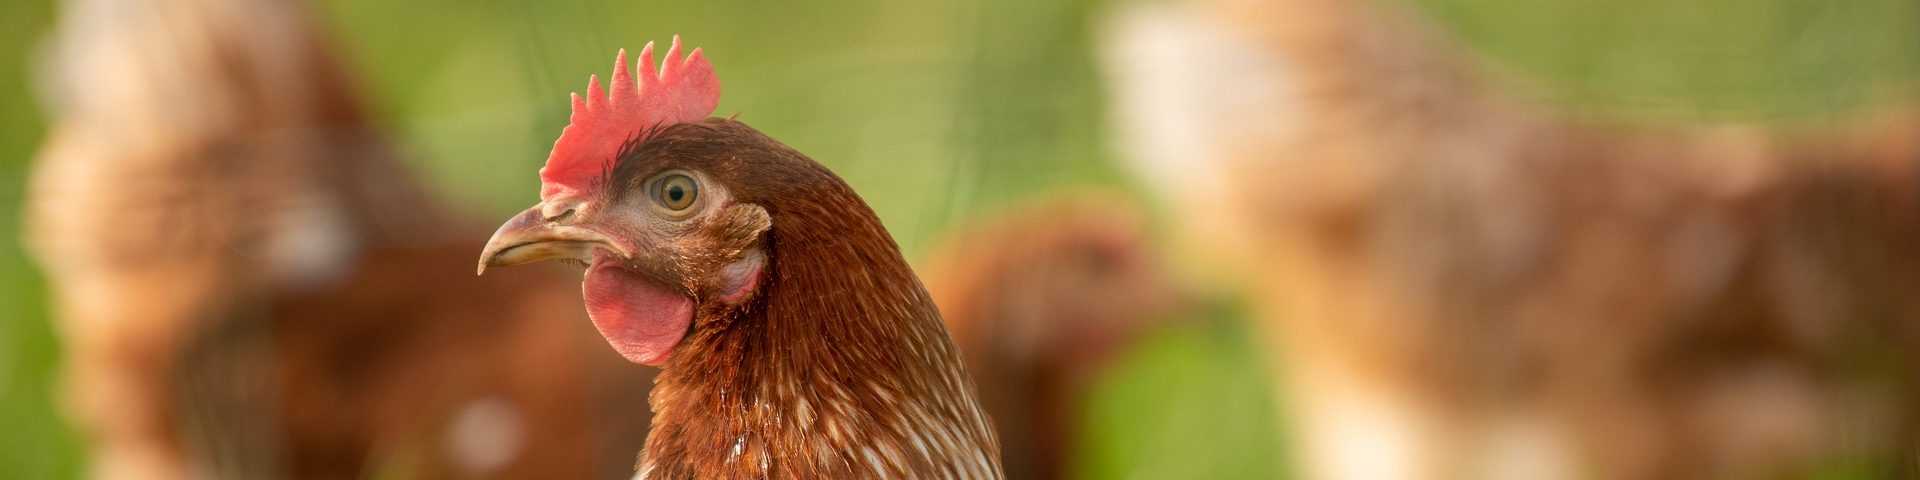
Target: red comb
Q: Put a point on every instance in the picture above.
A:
(684, 90)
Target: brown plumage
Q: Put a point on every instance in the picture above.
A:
(841, 329)
(1041, 300)
(1463, 283)
(250, 285)
(794, 340)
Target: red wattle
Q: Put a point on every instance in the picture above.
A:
(641, 319)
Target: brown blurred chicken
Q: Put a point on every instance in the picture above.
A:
(250, 285)
(1040, 300)
(1461, 283)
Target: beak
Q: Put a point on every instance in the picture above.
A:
(531, 236)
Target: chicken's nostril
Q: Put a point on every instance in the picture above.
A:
(557, 212)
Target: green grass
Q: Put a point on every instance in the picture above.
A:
(33, 442)
(936, 110)
(1712, 59)
(1195, 402)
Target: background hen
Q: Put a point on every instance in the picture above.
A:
(251, 286)
(1043, 300)
(1464, 280)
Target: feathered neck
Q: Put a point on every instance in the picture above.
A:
(839, 368)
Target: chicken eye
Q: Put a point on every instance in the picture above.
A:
(675, 191)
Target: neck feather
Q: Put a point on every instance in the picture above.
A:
(839, 368)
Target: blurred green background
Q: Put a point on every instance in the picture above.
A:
(936, 111)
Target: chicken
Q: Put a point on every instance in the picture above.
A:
(1040, 301)
(1462, 283)
(794, 340)
(250, 284)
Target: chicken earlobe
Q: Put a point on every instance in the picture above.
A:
(740, 228)
(739, 279)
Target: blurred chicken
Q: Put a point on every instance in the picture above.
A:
(1039, 301)
(250, 285)
(1460, 283)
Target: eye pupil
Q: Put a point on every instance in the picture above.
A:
(675, 191)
